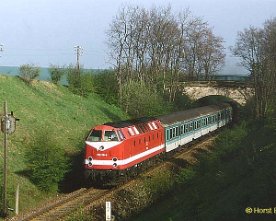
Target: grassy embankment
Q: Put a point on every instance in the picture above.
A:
(43, 106)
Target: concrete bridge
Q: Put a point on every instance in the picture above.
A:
(238, 91)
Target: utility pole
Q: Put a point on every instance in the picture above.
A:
(79, 51)
(5, 209)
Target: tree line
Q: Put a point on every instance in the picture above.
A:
(158, 48)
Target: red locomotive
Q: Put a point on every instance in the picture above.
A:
(118, 147)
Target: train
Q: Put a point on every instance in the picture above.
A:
(115, 148)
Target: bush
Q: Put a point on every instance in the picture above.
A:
(28, 72)
(46, 161)
(56, 73)
(86, 84)
(79, 82)
(106, 86)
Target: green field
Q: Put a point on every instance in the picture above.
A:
(45, 107)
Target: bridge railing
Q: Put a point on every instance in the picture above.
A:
(213, 83)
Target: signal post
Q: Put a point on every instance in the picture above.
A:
(8, 126)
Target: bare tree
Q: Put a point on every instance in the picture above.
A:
(256, 48)
(211, 54)
(117, 38)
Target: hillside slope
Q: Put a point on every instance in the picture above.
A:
(41, 107)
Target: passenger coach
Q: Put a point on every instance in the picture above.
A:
(185, 126)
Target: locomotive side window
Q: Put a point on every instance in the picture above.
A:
(95, 135)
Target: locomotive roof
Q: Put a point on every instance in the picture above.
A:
(131, 122)
(192, 113)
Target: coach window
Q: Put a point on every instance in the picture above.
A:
(181, 129)
(191, 127)
(171, 133)
(177, 131)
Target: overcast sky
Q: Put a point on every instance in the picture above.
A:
(44, 32)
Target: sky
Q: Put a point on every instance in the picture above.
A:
(44, 32)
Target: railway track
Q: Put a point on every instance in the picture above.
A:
(61, 208)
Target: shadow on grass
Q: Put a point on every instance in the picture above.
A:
(74, 179)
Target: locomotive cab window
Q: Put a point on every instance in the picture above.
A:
(110, 136)
(95, 135)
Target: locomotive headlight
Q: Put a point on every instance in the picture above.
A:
(89, 161)
(101, 147)
(115, 165)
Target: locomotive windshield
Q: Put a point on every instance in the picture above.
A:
(97, 135)
(110, 136)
